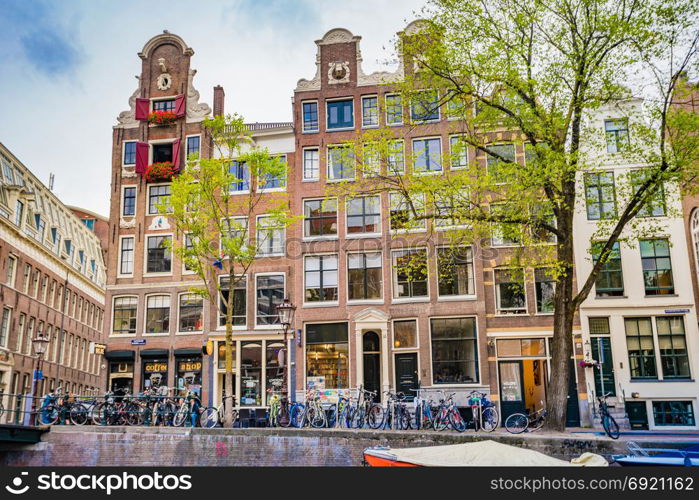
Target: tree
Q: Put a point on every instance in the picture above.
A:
(534, 73)
(211, 204)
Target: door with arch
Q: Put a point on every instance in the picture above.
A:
(371, 346)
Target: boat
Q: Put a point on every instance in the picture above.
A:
(478, 453)
(667, 457)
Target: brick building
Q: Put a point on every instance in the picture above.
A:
(97, 223)
(52, 280)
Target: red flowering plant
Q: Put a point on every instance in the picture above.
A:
(161, 117)
(160, 171)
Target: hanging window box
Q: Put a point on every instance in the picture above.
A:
(162, 117)
(159, 172)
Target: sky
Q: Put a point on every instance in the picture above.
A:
(67, 68)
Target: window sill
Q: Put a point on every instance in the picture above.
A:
(264, 255)
(424, 122)
(311, 180)
(236, 328)
(663, 381)
(124, 276)
(362, 235)
(660, 296)
(370, 126)
(429, 172)
(410, 300)
(339, 180)
(320, 304)
(608, 297)
(311, 131)
(396, 124)
(156, 334)
(269, 328)
(500, 314)
(364, 302)
(272, 190)
(121, 335)
(407, 231)
(234, 193)
(320, 238)
(201, 332)
(455, 298)
(339, 129)
(155, 275)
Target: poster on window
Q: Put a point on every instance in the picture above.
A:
(316, 383)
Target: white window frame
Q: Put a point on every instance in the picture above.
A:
(417, 336)
(378, 111)
(179, 304)
(336, 99)
(347, 270)
(271, 273)
(10, 280)
(111, 324)
(328, 179)
(145, 314)
(410, 230)
(151, 186)
(423, 298)
(133, 264)
(323, 236)
(439, 108)
(303, 166)
(451, 153)
(321, 303)
(414, 156)
(247, 297)
(375, 234)
(145, 255)
(7, 327)
(257, 239)
(232, 219)
(286, 177)
(451, 298)
(500, 312)
(186, 146)
(303, 123)
(123, 153)
(479, 364)
(402, 110)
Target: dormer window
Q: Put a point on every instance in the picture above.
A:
(68, 247)
(19, 213)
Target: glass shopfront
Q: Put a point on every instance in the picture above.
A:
(327, 356)
(189, 374)
(121, 376)
(251, 373)
(154, 372)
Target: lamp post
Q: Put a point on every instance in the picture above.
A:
(285, 312)
(39, 343)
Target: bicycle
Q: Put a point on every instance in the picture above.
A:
(611, 428)
(212, 416)
(518, 423)
(367, 412)
(189, 409)
(311, 413)
(483, 413)
(424, 415)
(396, 414)
(448, 415)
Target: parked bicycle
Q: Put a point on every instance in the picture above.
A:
(518, 423)
(367, 412)
(424, 410)
(310, 413)
(448, 415)
(213, 416)
(611, 428)
(484, 415)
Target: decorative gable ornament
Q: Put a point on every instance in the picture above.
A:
(164, 81)
(159, 222)
(338, 72)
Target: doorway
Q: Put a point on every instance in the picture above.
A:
(406, 374)
(522, 386)
(372, 362)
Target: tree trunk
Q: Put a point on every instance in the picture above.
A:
(229, 390)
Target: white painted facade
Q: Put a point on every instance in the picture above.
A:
(651, 392)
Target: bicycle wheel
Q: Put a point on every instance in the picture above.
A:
(405, 421)
(78, 414)
(516, 423)
(457, 421)
(284, 416)
(358, 418)
(209, 417)
(100, 413)
(441, 420)
(375, 416)
(346, 418)
(610, 426)
(180, 416)
(490, 419)
(297, 414)
(538, 423)
(49, 415)
(316, 417)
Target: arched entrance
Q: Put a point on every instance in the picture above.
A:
(371, 346)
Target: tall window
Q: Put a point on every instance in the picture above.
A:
(126, 255)
(124, 315)
(396, 157)
(455, 267)
(371, 159)
(19, 213)
(409, 273)
(5, 326)
(364, 276)
(639, 342)
(509, 291)
(240, 298)
(610, 280)
(364, 215)
(394, 109)
(458, 151)
(673, 347)
(370, 111)
(310, 116)
(158, 314)
(545, 286)
(191, 313)
(193, 146)
(320, 218)
(157, 195)
(427, 155)
(657, 267)
(424, 106)
(341, 162)
(454, 351)
(504, 233)
(602, 352)
(617, 132)
(340, 114)
(240, 177)
(270, 236)
(159, 257)
(406, 214)
(276, 180)
(130, 153)
(11, 271)
(270, 293)
(311, 164)
(405, 334)
(600, 195)
(655, 205)
(327, 355)
(129, 202)
(498, 163)
(320, 278)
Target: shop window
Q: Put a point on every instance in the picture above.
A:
(657, 267)
(274, 372)
(239, 301)
(672, 342)
(610, 280)
(679, 413)
(600, 195)
(454, 351)
(405, 334)
(455, 268)
(427, 155)
(364, 215)
(327, 356)
(364, 276)
(191, 311)
(270, 293)
(189, 374)
(341, 161)
(310, 116)
(521, 348)
(320, 275)
(319, 218)
(222, 356)
(409, 273)
(251, 373)
(158, 314)
(154, 373)
(509, 291)
(340, 114)
(124, 315)
(545, 285)
(159, 257)
(639, 342)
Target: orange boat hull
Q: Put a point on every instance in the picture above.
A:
(374, 461)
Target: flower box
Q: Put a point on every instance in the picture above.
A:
(162, 117)
(589, 363)
(161, 171)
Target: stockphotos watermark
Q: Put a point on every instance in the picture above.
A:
(107, 483)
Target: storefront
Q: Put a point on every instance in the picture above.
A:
(327, 357)
(121, 371)
(188, 363)
(154, 366)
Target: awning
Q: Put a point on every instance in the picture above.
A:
(188, 352)
(125, 354)
(154, 353)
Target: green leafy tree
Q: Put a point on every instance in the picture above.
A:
(212, 204)
(532, 75)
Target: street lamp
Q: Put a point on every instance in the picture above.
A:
(285, 312)
(40, 344)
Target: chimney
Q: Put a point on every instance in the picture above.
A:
(219, 96)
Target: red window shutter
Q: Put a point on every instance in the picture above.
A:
(180, 110)
(176, 154)
(142, 108)
(142, 150)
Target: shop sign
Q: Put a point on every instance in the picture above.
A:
(96, 348)
(155, 367)
(189, 366)
(208, 348)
